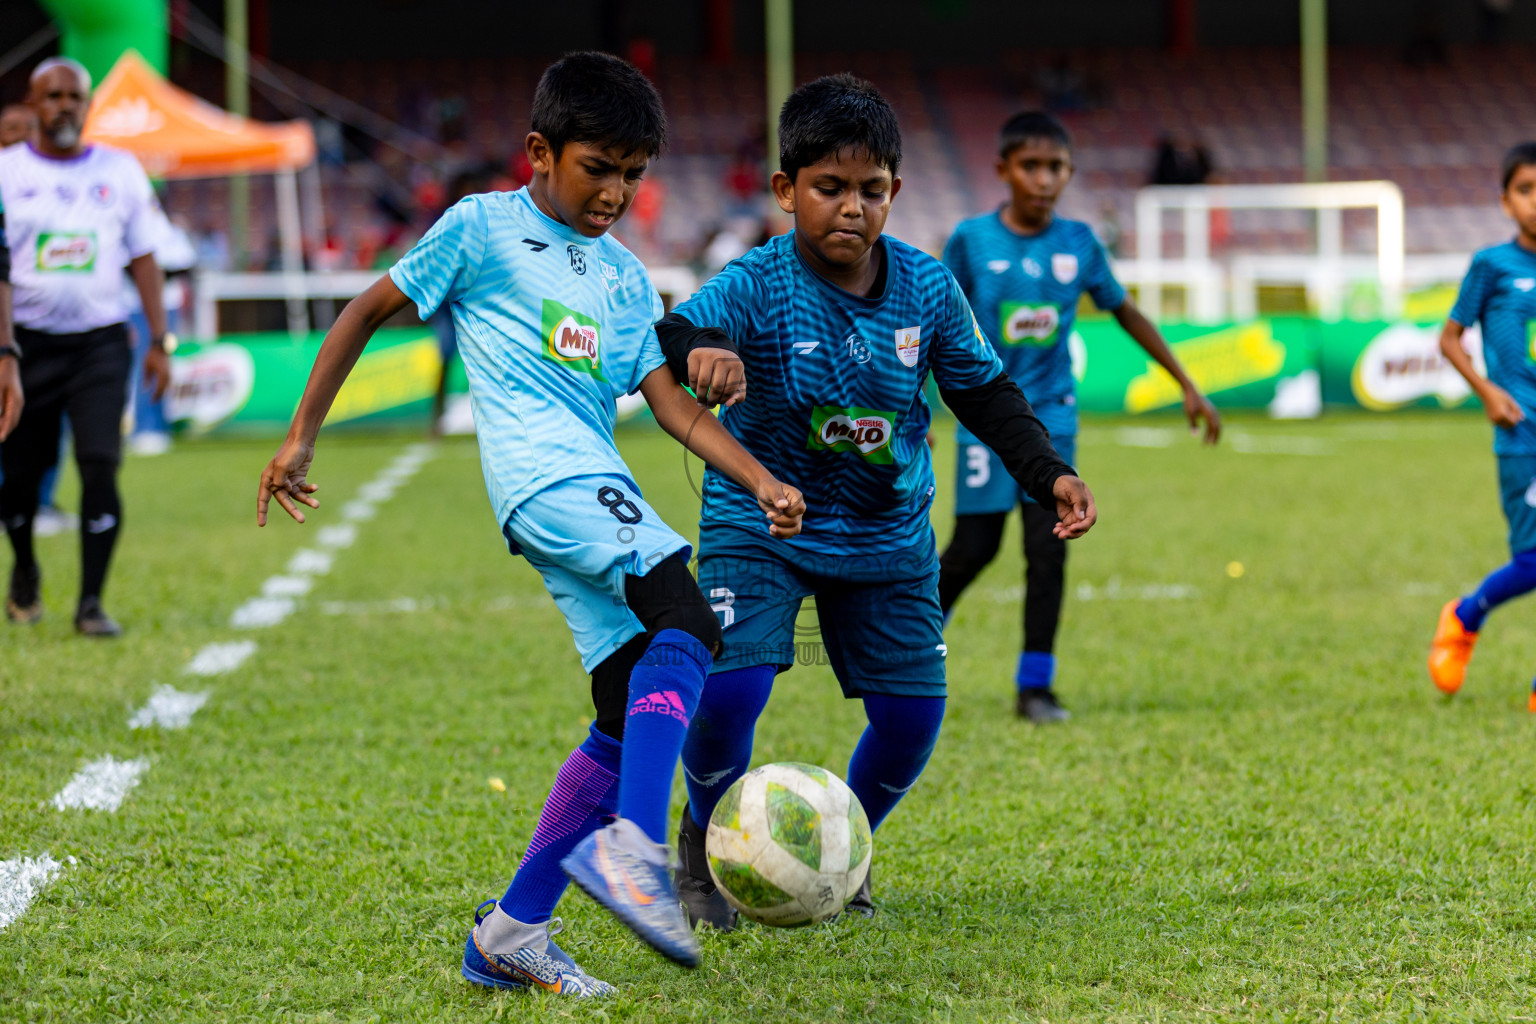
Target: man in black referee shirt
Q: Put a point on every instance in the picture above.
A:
(72, 216)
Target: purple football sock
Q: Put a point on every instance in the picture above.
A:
(585, 792)
(663, 693)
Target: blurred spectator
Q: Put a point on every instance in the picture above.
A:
(211, 246)
(18, 123)
(1063, 87)
(1110, 234)
(1493, 17)
(1426, 38)
(1180, 160)
(176, 256)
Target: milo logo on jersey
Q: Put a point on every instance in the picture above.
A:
(572, 339)
(1030, 324)
(70, 251)
(864, 432)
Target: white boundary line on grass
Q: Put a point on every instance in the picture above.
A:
(103, 784)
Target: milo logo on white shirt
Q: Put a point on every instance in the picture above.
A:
(66, 251)
(572, 339)
(1028, 324)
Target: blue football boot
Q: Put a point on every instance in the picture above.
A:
(630, 876)
(502, 952)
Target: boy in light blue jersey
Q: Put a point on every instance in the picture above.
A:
(1024, 270)
(1499, 292)
(554, 320)
(838, 328)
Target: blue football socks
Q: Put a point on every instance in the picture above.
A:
(893, 750)
(663, 695)
(719, 745)
(1037, 670)
(1509, 581)
(585, 792)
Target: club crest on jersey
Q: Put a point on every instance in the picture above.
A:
(101, 195)
(909, 342)
(862, 432)
(1064, 267)
(858, 349)
(572, 339)
(578, 258)
(611, 275)
(1027, 324)
(62, 251)
(1032, 267)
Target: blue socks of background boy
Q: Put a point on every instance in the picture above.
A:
(1509, 581)
(663, 697)
(1037, 670)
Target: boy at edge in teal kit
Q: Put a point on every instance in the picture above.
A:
(1023, 269)
(554, 319)
(1499, 292)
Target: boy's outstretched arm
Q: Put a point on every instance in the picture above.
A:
(284, 479)
(704, 358)
(998, 413)
(1502, 409)
(699, 432)
(1196, 406)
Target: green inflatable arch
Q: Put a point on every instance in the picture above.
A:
(96, 32)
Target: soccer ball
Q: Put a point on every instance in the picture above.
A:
(789, 844)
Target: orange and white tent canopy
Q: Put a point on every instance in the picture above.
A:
(176, 135)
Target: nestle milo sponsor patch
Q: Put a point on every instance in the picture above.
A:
(1027, 323)
(864, 432)
(572, 339)
(67, 251)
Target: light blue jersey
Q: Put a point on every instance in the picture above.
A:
(1499, 292)
(552, 327)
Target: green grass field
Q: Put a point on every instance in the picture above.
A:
(1261, 811)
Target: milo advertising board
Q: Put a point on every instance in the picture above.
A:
(251, 383)
(1262, 364)
(1387, 366)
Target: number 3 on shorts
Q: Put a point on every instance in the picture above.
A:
(622, 508)
(978, 461)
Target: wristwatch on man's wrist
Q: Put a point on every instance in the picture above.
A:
(10, 350)
(167, 343)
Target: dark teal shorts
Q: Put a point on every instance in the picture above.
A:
(1517, 486)
(880, 628)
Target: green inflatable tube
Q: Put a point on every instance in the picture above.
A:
(97, 32)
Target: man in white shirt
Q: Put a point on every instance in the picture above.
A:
(73, 217)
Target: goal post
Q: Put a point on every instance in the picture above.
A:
(1206, 280)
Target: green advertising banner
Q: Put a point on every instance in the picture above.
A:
(1252, 365)
(251, 383)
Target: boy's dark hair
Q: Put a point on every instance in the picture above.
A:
(599, 99)
(1521, 155)
(1030, 125)
(833, 114)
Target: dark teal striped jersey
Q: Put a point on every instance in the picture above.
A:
(835, 389)
(1499, 292)
(1024, 289)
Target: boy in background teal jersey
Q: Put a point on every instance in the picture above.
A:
(1500, 293)
(1023, 270)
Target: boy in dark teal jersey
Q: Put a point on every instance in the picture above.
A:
(1500, 293)
(1023, 270)
(837, 328)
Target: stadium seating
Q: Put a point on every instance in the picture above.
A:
(1437, 131)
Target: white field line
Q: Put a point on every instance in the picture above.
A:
(260, 612)
(218, 659)
(287, 586)
(168, 708)
(309, 562)
(101, 785)
(339, 536)
(21, 879)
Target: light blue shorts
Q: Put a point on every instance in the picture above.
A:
(585, 535)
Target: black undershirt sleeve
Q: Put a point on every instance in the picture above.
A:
(999, 414)
(5, 253)
(679, 337)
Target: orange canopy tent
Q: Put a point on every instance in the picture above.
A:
(176, 135)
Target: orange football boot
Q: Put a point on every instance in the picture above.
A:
(1451, 649)
(1533, 704)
